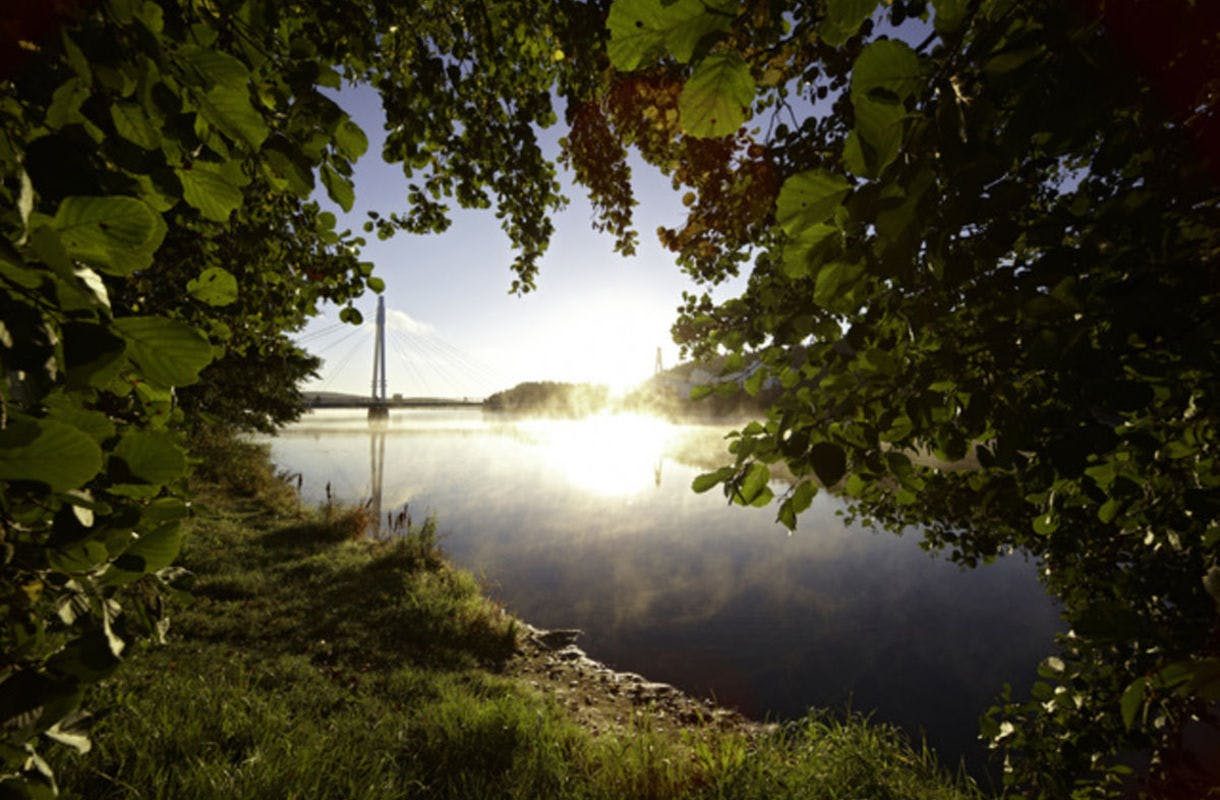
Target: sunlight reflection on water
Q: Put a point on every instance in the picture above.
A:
(607, 454)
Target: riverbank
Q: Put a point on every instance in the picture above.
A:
(312, 663)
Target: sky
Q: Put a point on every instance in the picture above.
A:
(457, 332)
(455, 328)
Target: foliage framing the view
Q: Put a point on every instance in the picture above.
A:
(155, 164)
(983, 230)
(982, 233)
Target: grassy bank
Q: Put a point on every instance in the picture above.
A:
(313, 664)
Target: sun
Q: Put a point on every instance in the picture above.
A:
(612, 342)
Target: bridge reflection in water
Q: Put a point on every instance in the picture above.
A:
(377, 426)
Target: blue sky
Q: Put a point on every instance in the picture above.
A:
(595, 316)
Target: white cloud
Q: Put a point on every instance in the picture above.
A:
(402, 321)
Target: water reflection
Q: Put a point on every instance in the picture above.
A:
(377, 428)
(594, 526)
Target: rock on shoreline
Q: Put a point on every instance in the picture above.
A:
(605, 700)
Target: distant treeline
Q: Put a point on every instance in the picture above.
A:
(731, 402)
(551, 398)
(667, 394)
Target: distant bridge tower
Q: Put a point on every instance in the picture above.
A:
(657, 368)
(379, 408)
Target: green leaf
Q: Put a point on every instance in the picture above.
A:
(949, 14)
(153, 551)
(877, 138)
(1132, 700)
(212, 67)
(641, 29)
(843, 19)
(1109, 510)
(208, 188)
(376, 284)
(228, 109)
(49, 452)
(809, 198)
(215, 286)
(289, 165)
(66, 103)
(163, 510)
(92, 354)
(1046, 524)
(885, 75)
(134, 125)
(94, 423)
(796, 502)
(49, 248)
(707, 480)
(350, 140)
(753, 383)
(167, 351)
(753, 484)
(799, 251)
(829, 462)
(152, 16)
(802, 496)
(716, 98)
(834, 280)
(764, 497)
(888, 68)
(151, 456)
(117, 235)
(338, 187)
(78, 557)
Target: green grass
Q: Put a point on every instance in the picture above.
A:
(314, 665)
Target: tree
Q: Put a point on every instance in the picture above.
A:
(984, 231)
(155, 163)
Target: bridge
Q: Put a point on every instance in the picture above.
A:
(437, 373)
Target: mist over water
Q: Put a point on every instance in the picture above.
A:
(592, 524)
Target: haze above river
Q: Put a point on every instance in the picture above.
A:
(592, 524)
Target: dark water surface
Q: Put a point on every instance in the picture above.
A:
(591, 524)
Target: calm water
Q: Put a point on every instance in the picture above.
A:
(591, 524)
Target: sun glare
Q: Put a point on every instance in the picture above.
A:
(613, 455)
(612, 341)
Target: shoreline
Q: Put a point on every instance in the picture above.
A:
(604, 699)
(313, 662)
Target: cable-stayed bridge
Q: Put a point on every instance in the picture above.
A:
(429, 370)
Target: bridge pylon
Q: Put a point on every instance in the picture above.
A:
(379, 407)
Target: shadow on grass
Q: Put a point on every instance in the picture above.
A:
(356, 604)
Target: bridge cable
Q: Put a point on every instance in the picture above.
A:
(409, 363)
(340, 340)
(444, 360)
(443, 367)
(323, 331)
(437, 369)
(343, 363)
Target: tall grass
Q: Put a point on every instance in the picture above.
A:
(312, 664)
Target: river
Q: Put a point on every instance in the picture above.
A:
(592, 524)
